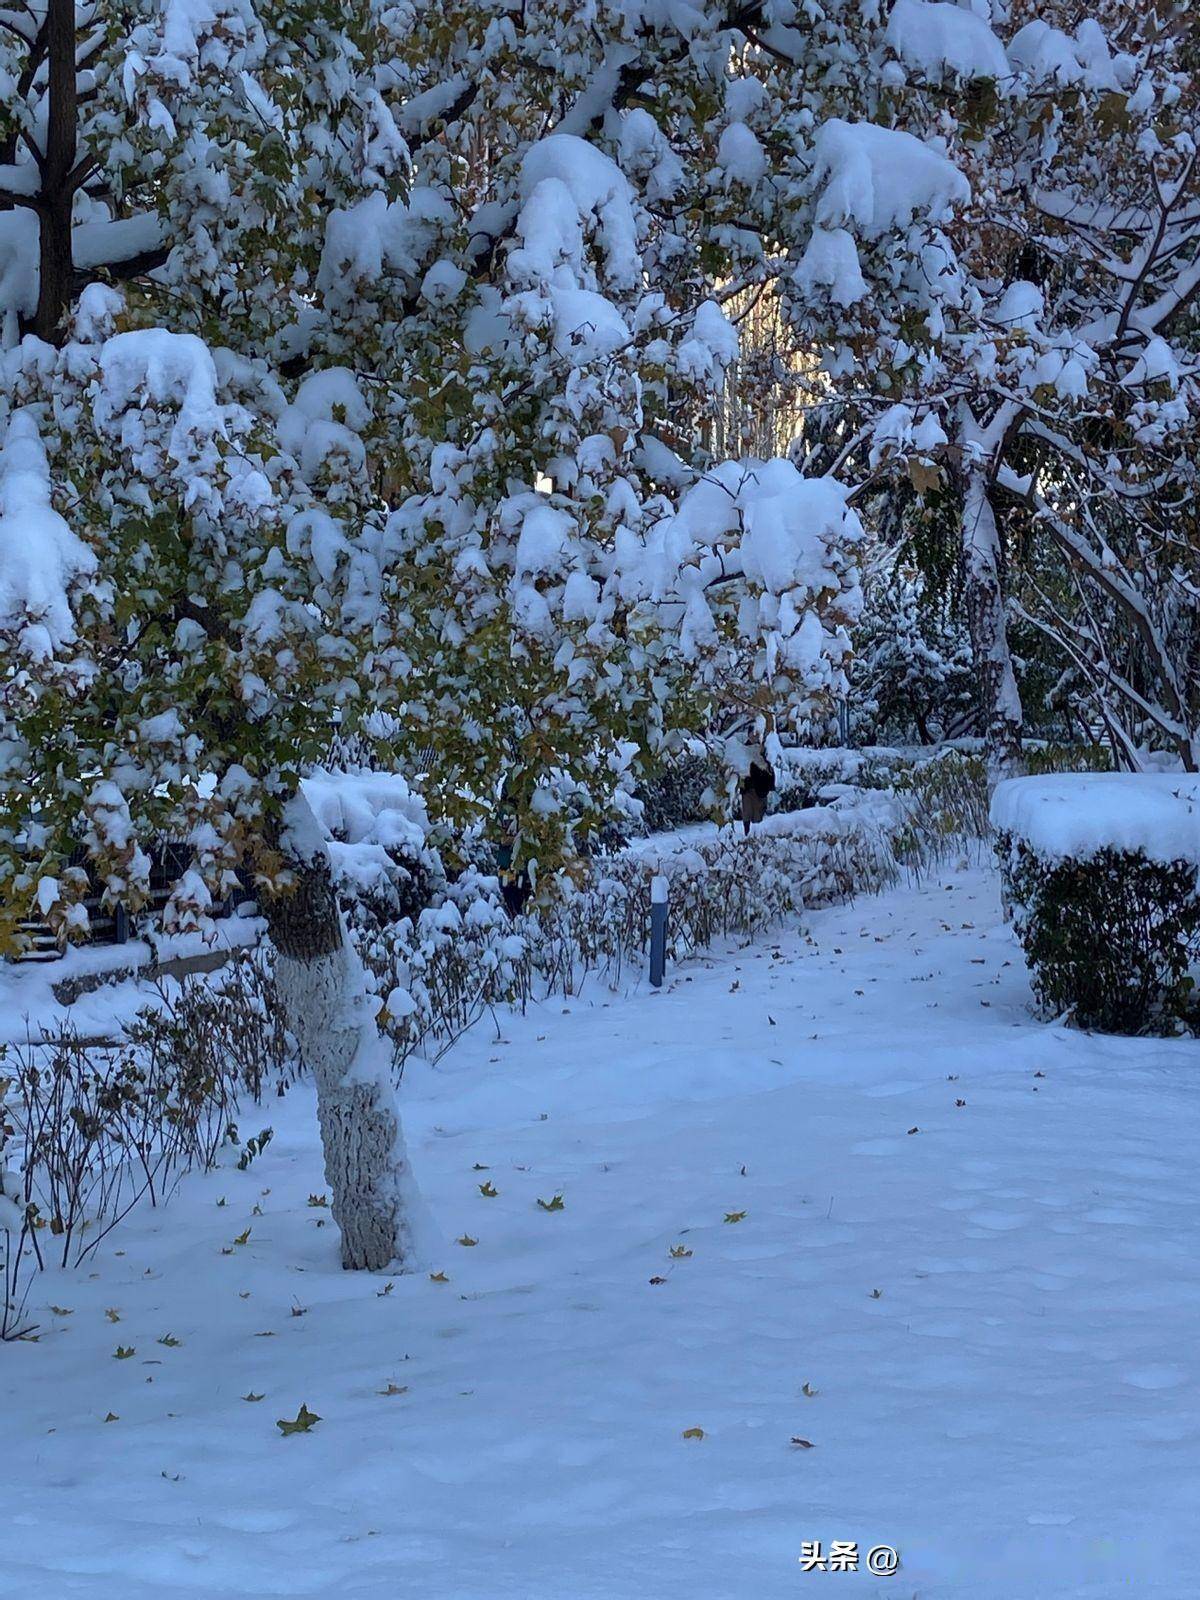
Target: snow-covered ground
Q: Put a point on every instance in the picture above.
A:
(952, 1248)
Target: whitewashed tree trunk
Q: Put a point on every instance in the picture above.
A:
(983, 595)
(329, 1010)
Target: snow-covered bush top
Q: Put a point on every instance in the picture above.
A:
(1077, 815)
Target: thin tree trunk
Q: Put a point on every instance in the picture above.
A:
(55, 266)
(327, 1007)
(988, 625)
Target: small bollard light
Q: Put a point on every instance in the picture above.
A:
(658, 930)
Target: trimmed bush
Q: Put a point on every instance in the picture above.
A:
(1109, 939)
(1100, 872)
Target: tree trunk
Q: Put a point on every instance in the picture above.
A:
(986, 620)
(55, 265)
(327, 1007)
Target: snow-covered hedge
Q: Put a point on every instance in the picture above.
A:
(1101, 870)
(91, 1128)
(437, 971)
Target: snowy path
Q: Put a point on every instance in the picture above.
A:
(997, 1304)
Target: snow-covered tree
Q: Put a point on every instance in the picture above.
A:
(1104, 449)
(1034, 349)
(372, 388)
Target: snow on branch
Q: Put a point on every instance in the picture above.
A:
(40, 557)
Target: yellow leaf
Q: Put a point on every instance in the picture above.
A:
(734, 1216)
(556, 1204)
(924, 475)
(488, 1190)
(438, 1277)
(303, 1422)
(693, 1433)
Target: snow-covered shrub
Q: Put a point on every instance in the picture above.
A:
(681, 791)
(435, 952)
(436, 969)
(436, 974)
(727, 885)
(804, 774)
(1044, 759)
(13, 1217)
(95, 1128)
(225, 1029)
(911, 678)
(941, 793)
(945, 804)
(1101, 874)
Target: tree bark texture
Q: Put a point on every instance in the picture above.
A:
(331, 1014)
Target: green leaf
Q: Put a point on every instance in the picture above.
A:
(123, 1352)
